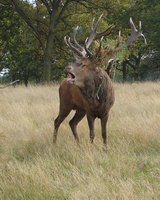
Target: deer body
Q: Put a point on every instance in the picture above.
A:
(88, 89)
(93, 96)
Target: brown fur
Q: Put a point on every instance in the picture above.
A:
(94, 98)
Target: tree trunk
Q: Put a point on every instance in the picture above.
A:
(26, 78)
(49, 47)
(48, 57)
(124, 71)
(136, 76)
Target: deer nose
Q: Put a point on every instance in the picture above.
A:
(67, 69)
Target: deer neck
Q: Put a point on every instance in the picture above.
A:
(94, 90)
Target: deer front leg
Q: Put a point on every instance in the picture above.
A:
(62, 115)
(104, 131)
(91, 127)
(75, 120)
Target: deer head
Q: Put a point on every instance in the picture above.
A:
(87, 63)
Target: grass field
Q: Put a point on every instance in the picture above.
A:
(32, 168)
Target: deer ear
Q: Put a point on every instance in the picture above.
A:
(76, 57)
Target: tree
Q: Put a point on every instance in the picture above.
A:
(20, 52)
(49, 19)
(148, 12)
(35, 32)
(9, 29)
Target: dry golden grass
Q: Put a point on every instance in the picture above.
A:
(32, 168)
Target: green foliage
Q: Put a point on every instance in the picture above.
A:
(147, 11)
(9, 29)
(31, 37)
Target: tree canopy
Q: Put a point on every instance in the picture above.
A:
(32, 32)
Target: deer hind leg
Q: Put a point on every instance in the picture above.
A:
(104, 131)
(74, 121)
(62, 115)
(91, 127)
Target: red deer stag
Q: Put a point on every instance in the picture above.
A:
(88, 89)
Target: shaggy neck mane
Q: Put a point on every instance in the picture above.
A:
(95, 89)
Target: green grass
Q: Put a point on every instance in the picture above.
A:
(32, 168)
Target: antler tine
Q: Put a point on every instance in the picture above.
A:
(100, 45)
(74, 39)
(132, 25)
(72, 47)
(96, 26)
(135, 33)
(140, 25)
(145, 41)
(91, 27)
(103, 32)
(94, 32)
(119, 37)
(65, 40)
(86, 49)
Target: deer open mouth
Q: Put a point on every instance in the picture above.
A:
(71, 77)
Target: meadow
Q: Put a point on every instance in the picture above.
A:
(32, 168)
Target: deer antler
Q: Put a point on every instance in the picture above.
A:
(84, 50)
(99, 49)
(94, 32)
(74, 39)
(134, 35)
(119, 37)
(72, 47)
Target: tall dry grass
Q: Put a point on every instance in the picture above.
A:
(32, 168)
